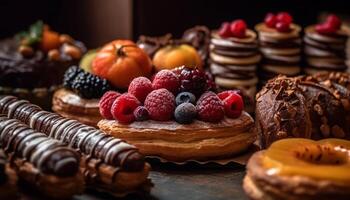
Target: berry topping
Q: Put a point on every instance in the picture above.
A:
(193, 81)
(185, 97)
(160, 104)
(233, 105)
(225, 30)
(140, 87)
(89, 86)
(123, 108)
(334, 21)
(284, 17)
(141, 113)
(223, 95)
(70, 75)
(166, 79)
(210, 108)
(106, 102)
(185, 113)
(282, 27)
(270, 20)
(238, 28)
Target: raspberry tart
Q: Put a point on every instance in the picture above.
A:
(177, 117)
(82, 90)
(325, 46)
(33, 62)
(280, 45)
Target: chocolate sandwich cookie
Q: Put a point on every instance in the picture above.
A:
(45, 163)
(234, 60)
(106, 160)
(325, 51)
(280, 46)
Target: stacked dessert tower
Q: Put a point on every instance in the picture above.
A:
(325, 46)
(234, 57)
(280, 45)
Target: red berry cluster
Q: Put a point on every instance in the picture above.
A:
(237, 28)
(330, 26)
(155, 100)
(281, 22)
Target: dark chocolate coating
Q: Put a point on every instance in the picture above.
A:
(86, 139)
(48, 155)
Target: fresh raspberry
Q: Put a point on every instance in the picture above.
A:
(326, 29)
(225, 30)
(160, 104)
(270, 20)
(106, 102)
(141, 113)
(238, 28)
(140, 87)
(233, 105)
(282, 27)
(166, 79)
(284, 17)
(123, 108)
(210, 108)
(334, 21)
(223, 95)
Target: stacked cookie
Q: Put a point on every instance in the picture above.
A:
(280, 45)
(325, 46)
(234, 57)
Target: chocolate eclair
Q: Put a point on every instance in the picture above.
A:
(234, 60)
(324, 50)
(280, 47)
(44, 163)
(108, 163)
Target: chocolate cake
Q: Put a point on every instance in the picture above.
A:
(313, 107)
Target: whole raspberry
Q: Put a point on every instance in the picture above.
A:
(123, 108)
(284, 17)
(160, 104)
(223, 95)
(210, 108)
(140, 87)
(238, 28)
(233, 105)
(166, 79)
(270, 20)
(193, 81)
(106, 102)
(225, 30)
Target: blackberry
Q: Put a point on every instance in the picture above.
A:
(90, 86)
(193, 81)
(70, 75)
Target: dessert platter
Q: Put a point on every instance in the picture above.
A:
(266, 109)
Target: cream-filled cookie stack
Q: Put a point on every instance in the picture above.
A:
(280, 45)
(325, 46)
(234, 57)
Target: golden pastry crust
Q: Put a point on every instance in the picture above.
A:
(70, 105)
(176, 142)
(258, 185)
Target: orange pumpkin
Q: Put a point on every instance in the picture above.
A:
(172, 56)
(120, 61)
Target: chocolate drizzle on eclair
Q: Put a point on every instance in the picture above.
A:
(86, 139)
(47, 155)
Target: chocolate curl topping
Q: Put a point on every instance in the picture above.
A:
(86, 139)
(48, 155)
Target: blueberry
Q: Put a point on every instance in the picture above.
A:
(185, 113)
(141, 113)
(185, 97)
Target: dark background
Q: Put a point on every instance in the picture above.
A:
(157, 17)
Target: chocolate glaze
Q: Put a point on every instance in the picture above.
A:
(86, 139)
(48, 155)
(3, 161)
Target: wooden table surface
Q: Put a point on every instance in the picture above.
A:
(189, 182)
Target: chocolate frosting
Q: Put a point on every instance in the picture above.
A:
(48, 155)
(37, 71)
(86, 139)
(313, 107)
